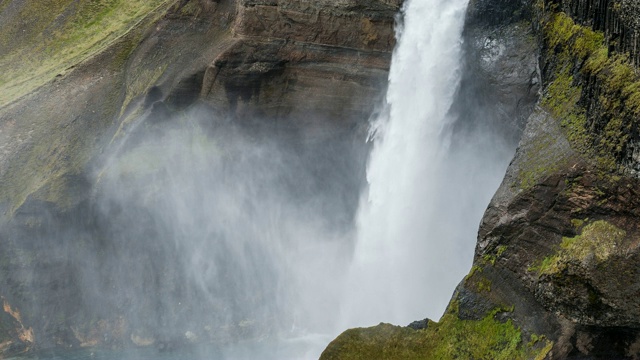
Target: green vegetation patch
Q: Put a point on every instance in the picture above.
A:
(44, 38)
(44, 166)
(451, 338)
(539, 160)
(598, 241)
(545, 153)
(595, 95)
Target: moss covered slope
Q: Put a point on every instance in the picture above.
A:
(89, 66)
(81, 80)
(42, 39)
(493, 337)
(594, 93)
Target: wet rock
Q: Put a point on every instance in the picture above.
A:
(557, 250)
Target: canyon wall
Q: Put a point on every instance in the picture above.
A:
(556, 266)
(84, 80)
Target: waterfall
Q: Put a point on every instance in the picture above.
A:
(417, 222)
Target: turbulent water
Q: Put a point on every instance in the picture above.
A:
(245, 235)
(431, 174)
(290, 349)
(415, 236)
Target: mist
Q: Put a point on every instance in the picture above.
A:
(223, 230)
(205, 230)
(435, 164)
(245, 234)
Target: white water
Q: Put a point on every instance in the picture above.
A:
(416, 233)
(252, 225)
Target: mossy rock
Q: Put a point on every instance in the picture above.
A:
(597, 242)
(493, 337)
(594, 94)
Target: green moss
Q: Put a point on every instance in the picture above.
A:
(542, 354)
(49, 37)
(44, 167)
(192, 8)
(474, 269)
(602, 132)
(561, 101)
(477, 281)
(598, 240)
(535, 338)
(544, 266)
(492, 257)
(451, 338)
(489, 259)
(577, 223)
(484, 285)
(501, 250)
(541, 155)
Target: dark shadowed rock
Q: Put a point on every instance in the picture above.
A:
(419, 324)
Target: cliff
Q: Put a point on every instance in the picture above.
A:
(555, 272)
(83, 79)
(556, 265)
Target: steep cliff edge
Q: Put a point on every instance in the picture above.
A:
(556, 266)
(81, 79)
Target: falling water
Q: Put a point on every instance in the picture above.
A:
(418, 218)
(244, 234)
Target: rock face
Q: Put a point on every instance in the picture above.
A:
(556, 267)
(557, 252)
(500, 81)
(322, 52)
(111, 71)
(562, 227)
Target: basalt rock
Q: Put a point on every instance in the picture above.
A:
(557, 252)
(500, 82)
(562, 226)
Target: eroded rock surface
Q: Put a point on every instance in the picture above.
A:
(303, 61)
(312, 68)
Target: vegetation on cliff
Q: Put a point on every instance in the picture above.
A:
(493, 337)
(42, 42)
(43, 39)
(570, 280)
(593, 92)
(597, 242)
(80, 80)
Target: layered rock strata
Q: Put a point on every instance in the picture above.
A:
(111, 72)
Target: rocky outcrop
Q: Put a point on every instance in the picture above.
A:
(617, 19)
(567, 197)
(103, 76)
(322, 52)
(557, 252)
(241, 58)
